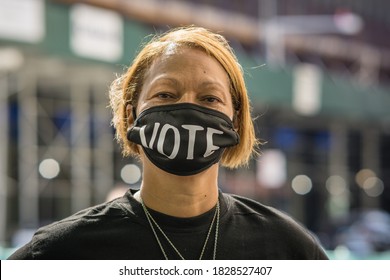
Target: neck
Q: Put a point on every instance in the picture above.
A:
(179, 196)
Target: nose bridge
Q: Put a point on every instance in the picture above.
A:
(189, 96)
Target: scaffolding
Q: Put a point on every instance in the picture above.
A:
(62, 119)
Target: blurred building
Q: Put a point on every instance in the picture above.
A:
(318, 73)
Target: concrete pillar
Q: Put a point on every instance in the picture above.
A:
(338, 182)
(3, 156)
(28, 151)
(80, 147)
(103, 177)
(370, 159)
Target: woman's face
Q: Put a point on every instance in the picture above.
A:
(186, 75)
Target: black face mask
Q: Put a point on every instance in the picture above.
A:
(183, 139)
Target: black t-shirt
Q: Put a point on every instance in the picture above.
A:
(119, 229)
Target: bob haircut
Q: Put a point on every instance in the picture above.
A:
(125, 89)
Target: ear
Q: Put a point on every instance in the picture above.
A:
(236, 120)
(130, 115)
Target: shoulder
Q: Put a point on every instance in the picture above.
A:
(275, 226)
(266, 215)
(240, 205)
(92, 215)
(76, 231)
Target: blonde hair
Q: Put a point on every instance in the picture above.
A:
(125, 89)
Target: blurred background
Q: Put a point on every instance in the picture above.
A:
(318, 74)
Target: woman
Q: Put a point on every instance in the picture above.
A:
(182, 108)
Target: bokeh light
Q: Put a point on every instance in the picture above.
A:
(336, 185)
(49, 168)
(373, 186)
(131, 173)
(301, 184)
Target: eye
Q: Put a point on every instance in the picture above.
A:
(211, 99)
(164, 95)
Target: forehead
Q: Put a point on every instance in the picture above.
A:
(181, 60)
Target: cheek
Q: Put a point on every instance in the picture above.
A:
(141, 107)
(142, 103)
(229, 111)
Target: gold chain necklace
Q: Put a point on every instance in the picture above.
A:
(152, 221)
